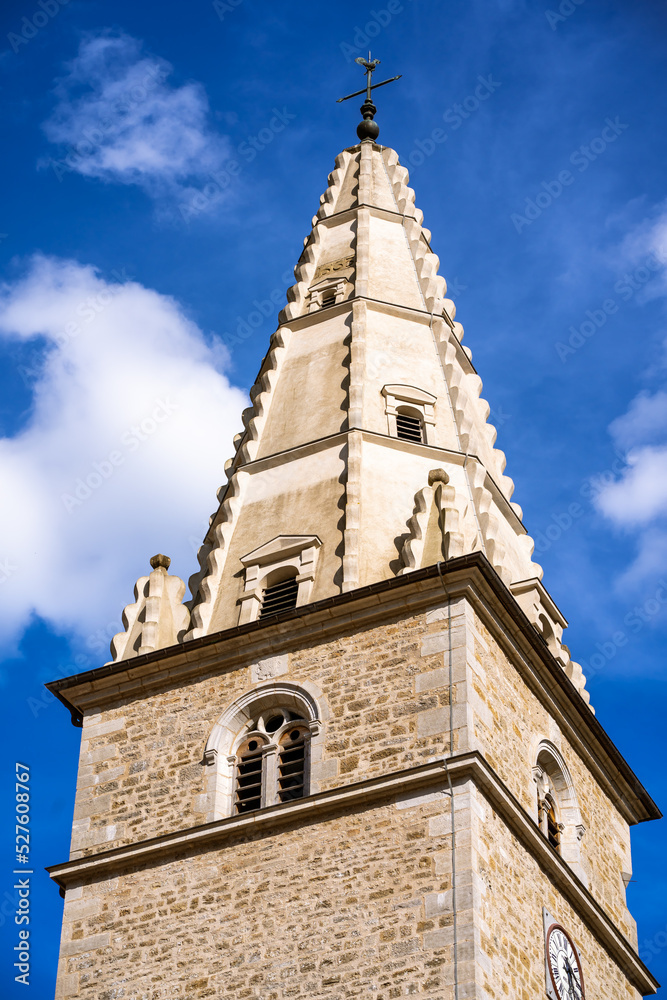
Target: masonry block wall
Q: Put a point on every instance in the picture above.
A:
(358, 899)
(511, 890)
(340, 907)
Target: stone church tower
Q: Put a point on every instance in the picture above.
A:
(359, 762)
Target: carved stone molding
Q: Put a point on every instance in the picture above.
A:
(334, 265)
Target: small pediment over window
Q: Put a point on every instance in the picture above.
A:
(280, 547)
(410, 413)
(409, 394)
(273, 570)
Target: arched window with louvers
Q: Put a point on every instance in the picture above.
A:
(272, 762)
(557, 811)
(410, 413)
(261, 750)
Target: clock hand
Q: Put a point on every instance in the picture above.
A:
(572, 983)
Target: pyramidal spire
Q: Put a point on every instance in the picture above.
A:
(366, 452)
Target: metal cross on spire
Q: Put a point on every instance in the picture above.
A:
(368, 129)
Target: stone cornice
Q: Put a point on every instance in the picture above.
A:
(400, 444)
(347, 214)
(471, 576)
(360, 795)
(381, 305)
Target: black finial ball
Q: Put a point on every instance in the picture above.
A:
(368, 129)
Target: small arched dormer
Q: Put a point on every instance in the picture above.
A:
(260, 751)
(279, 575)
(410, 413)
(556, 808)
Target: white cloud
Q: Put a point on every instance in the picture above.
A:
(637, 501)
(641, 257)
(651, 559)
(640, 496)
(117, 119)
(121, 454)
(644, 423)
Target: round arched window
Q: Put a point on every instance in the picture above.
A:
(272, 760)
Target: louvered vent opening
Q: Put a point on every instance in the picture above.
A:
(553, 831)
(249, 776)
(280, 597)
(409, 428)
(292, 763)
(329, 299)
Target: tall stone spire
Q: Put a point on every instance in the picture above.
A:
(367, 451)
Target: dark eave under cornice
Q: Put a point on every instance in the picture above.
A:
(584, 729)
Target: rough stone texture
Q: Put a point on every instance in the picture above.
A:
(508, 732)
(510, 891)
(356, 905)
(147, 771)
(342, 908)
(386, 695)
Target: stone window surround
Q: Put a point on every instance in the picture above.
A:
(416, 402)
(317, 295)
(235, 725)
(554, 784)
(265, 563)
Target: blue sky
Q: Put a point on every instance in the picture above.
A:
(162, 163)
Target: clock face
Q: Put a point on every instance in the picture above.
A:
(564, 966)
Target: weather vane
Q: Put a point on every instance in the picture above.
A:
(368, 129)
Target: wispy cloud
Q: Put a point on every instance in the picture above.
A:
(118, 119)
(637, 501)
(122, 452)
(643, 256)
(644, 423)
(640, 496)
